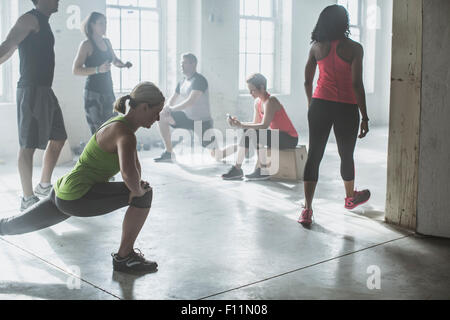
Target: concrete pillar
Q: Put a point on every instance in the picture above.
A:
(419, 152)
(433, 203)
(404, 126)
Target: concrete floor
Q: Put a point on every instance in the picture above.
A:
(230, 240)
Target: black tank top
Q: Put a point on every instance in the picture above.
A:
(101, 82)
(37, 55)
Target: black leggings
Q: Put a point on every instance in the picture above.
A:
(101, 199)
(344, 118)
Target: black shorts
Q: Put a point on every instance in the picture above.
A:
(183, 122)
(286, 141)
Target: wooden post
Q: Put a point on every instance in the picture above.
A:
(405, 106)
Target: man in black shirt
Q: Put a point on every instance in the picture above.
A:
(39, 115)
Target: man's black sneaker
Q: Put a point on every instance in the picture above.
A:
(233, 174)
(165, 157)
(257, 176)
(133, 263)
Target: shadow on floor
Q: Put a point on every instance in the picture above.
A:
(126, 283)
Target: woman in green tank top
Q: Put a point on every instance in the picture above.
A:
(86, 192)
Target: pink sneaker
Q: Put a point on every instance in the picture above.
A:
(306, 217)
(359, 198)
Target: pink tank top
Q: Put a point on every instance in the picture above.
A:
(335, 78)
(280, 121)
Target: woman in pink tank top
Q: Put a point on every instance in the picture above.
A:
(335, 103)
(268, 115)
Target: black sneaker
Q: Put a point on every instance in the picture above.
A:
(165, 157)
(133, 263)
(233, 174)
(257, 176)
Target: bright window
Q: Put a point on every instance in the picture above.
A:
(134, 30)
(257, 40)
(1, 67)
(8, 15)
(364, 16)
(354, 11)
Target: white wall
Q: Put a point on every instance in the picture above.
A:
(220, 41)
(219, 63)
(216, 43)
(378, 101)
(67, 87)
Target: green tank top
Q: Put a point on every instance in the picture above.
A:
(94, 166)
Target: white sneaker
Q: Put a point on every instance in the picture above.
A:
(40, 191)
(25, 204)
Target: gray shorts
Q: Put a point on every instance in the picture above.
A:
(39, 117)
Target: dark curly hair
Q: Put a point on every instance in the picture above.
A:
(333, 24)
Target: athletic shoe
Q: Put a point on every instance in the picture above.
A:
(359, 198)
(165, 157)
(133, 263)
(257, 176)
(25, 204)
(233, 174)
(306, 217)
(41, 191)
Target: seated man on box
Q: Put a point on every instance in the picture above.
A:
(268, 113)
(193, 94)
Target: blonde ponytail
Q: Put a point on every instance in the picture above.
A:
(121, 104)
(144, 92)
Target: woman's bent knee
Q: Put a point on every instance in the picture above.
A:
(144, 202)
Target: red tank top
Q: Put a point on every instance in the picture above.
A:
(280, 121)
(335, 78)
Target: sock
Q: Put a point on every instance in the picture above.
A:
(122, 258)
(45, 184)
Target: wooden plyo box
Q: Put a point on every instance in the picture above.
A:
(291, 164)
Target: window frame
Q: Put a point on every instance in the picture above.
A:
(159, 9)
(6, 73)
(277, 41)
(361, 21)
(361, 25)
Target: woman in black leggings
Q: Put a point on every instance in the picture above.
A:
(338, 95)
(86, 192)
